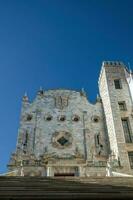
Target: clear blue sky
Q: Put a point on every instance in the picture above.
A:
(56, 44)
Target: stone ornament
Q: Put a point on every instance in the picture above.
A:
(27, 117)
(61, 102)
(75, 118)
(77, 154)
(62, 118)
(61, 139)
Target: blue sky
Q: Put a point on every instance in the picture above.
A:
(56, 44)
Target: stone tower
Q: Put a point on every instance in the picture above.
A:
(62, 134)
(115, 92)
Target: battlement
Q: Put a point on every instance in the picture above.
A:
(113, 63)
(106, 64)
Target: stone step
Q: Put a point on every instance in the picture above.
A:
(13, 188)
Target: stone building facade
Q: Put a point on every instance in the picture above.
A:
(62, 134)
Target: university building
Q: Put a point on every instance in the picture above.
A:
(62, 134)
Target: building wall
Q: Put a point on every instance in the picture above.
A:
(43, 135)
(129, 76)
(46, 145)
(110, 97)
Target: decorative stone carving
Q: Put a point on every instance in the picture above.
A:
(99, 145)
(61, 139)
(48, 158)
(82, 92)
(41, 92)
(62, 118)
(78, 154)
(25, 98)
(61, 102)
(64, 101)
(75, 118)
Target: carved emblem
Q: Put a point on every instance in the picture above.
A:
(61, 102)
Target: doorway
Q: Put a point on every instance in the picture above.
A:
(65, 171)
(64, 174)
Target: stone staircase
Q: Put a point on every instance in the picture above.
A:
(14, 188)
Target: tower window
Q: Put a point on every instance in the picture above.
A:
(122, 105)
(130, 155)
(117, 83)
(127, 131)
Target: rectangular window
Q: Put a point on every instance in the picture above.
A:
(117, 83)
(122, 105)
(127, 131)
(130, 155)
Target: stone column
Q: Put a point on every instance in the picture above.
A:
(82, 171)
(49, 171)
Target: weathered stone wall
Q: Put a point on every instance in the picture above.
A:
(41, 131)
(81, 135)
(110, 97)
(129, 76)
(61, 131)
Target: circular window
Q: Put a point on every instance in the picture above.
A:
(29, 117)
(75, 118)
(95, 119)
(49, 118)
(62, 118)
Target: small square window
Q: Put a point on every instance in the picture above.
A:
(122, 105)
(117, 83)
